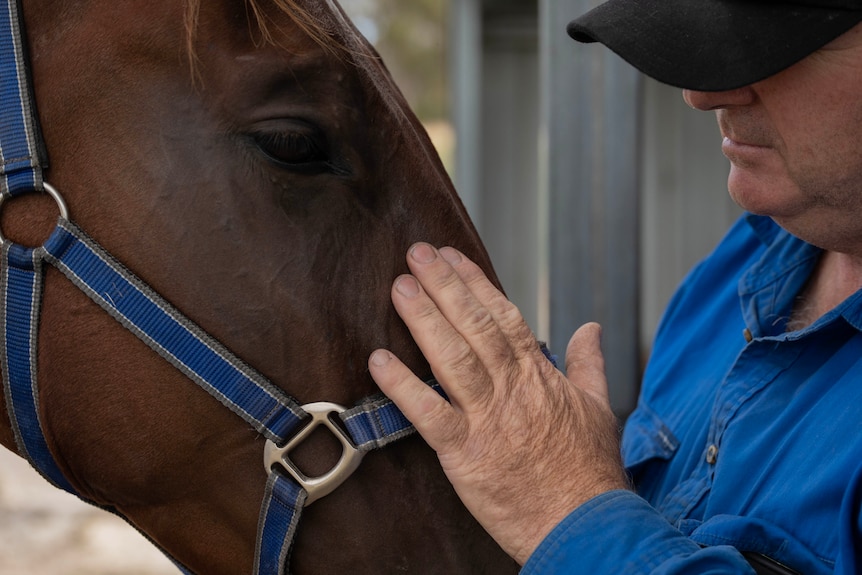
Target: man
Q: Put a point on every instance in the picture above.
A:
(745, 453)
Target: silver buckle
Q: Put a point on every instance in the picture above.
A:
(323, 485)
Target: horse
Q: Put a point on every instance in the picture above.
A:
(254, 163)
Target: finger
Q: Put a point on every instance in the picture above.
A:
(585, 363)
(470, 313)
(507, 316)
(431, 415)
(473, 276)
(453, 362)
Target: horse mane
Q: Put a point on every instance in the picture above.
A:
(324, 22)
(306, 22)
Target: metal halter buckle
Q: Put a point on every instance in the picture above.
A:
(323, 485)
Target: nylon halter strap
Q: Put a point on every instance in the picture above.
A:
(372, 423)
(21, 147)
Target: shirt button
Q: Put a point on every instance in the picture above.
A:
(712, 454)
(746, 333)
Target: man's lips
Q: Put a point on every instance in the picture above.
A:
(742, 152)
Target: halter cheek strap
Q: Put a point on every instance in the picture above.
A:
(22, 149)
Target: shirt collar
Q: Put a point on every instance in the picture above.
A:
(763, 227)
(769, 287)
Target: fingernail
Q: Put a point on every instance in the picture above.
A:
(407, 286)
(423, 253)
(380, 357)
(451, 255)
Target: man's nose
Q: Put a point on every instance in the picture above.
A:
(717, 100)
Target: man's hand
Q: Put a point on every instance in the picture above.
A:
(522, 444)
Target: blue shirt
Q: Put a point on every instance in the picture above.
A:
(747, 437)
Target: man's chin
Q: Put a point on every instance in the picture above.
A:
(760, 193)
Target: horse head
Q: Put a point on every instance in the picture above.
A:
(254, 163)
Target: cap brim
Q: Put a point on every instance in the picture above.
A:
(711, 45)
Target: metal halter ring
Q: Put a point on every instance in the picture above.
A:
(49, 189)
(323, 485)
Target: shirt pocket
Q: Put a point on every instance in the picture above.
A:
(646, 438)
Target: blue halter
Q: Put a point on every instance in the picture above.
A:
(373, 423)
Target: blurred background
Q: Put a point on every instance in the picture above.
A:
(595, 190)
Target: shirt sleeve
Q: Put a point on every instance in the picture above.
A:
(619, 532)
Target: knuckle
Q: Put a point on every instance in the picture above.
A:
(477, 320)
(444, 420)
(454, 351)
(447, 279)
(511, 316)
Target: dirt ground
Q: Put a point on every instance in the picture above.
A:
(45, 531)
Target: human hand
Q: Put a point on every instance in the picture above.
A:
(522, 444)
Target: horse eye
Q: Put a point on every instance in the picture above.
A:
(293, 148)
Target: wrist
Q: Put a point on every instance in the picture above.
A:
(529, 530)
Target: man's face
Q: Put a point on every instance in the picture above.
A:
(794, 142)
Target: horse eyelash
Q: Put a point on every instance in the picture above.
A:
(324, 161)
(278, 140)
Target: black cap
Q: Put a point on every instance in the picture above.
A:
(713, 45)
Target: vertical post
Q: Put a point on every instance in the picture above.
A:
(509, 131)
(590, 128)
(466, 66)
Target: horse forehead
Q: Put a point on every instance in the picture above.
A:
(288, 22)
(325, 15)
(170, 23)
(364, 62)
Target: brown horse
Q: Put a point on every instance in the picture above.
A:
(255, 164)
